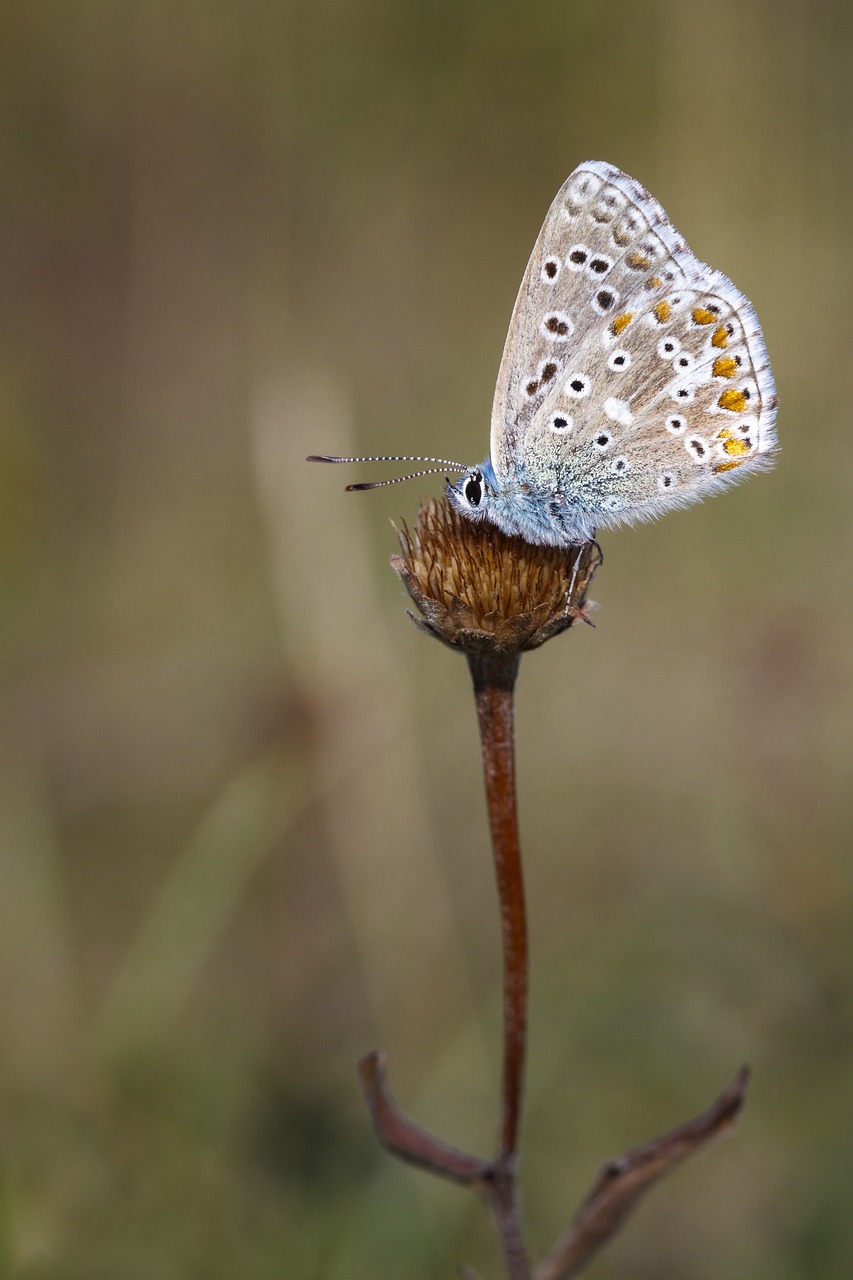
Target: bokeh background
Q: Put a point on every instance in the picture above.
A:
(243, 837)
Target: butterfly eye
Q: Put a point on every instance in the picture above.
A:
(472, 490)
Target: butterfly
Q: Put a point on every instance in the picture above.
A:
(634, 378)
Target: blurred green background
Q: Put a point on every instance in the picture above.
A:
(243, 837)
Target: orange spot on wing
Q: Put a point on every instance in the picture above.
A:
(662, 311)
(733, 400)
(736, 448)
(621, 323)
(702, 315)
(720, 337)
(655, 282)
(637, 260)
(724, 367)
(726, 466)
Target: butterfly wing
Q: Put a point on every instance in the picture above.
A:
(634, 377)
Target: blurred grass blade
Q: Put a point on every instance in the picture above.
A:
(197, 901)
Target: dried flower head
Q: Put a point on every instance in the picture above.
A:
(483, 592)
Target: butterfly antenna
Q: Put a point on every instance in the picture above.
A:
(380, 484)
(404, 457)
(389, 457)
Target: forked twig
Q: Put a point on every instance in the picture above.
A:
(622, 1182)
(407, 1140)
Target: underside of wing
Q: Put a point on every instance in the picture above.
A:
(634, 377)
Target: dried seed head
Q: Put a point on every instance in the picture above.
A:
(482, 592)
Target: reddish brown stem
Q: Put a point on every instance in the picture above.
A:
(494, 683)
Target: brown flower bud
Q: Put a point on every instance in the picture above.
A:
(482, 592)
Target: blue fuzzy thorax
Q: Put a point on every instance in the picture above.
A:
(521, 510)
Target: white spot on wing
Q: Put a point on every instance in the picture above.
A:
(618, 411)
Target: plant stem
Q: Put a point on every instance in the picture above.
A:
(622, 1182)
(494, 678)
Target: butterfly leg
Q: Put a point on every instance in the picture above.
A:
(577, 611)
(574, 578)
